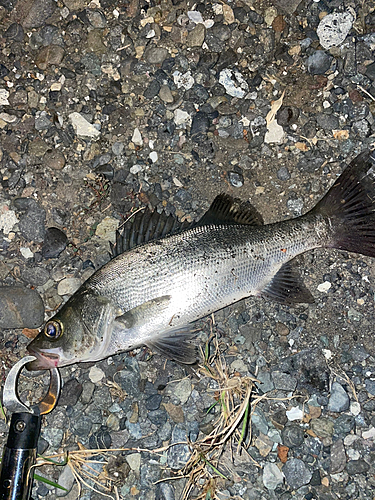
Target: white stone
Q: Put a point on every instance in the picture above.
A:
(96, 374)
(370, 434)
(324, 287)
(327, 353)
(294, 413)
(153, 156)
(8, 118)
(181, 117)
(106, 230)
(4, 94)
(137, 137)
(82, 127)
(355, 408)
(334, 28)
(135, 169)
(68, 286)
(134, 461)
(275, 133)
(26, 253)
(7, 221)
(272, 476)
(177, 182)
(56, 86)
(185, 80)
(235, 88)
(195, 16)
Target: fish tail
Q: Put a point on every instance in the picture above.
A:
(350, 207)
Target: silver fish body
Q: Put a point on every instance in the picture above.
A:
(150, 294)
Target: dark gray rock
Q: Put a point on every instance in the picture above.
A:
(292, 435)
(153, 402)
(339, 399)
(319, 62)
(328, 122)
(338, 457)
(20, 307)
(54, 243)
(178, 455)
(354, 467)
(82, 426)
(296, 473)
(32, 223)
(199, 127)
(284, 381)
(283, 174)
(15, 32)
(70, 393)
(35, 276)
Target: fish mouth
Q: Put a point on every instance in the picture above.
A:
(44, 360)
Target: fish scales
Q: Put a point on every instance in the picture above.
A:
(152, 293)
(205, 267)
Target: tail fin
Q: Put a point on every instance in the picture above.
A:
(350, 206)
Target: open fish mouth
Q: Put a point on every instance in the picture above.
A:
(43, 361)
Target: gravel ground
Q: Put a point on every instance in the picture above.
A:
(109, 106)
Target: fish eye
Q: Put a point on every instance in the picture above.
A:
(53, 329)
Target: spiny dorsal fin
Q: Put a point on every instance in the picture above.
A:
(229, 211)
(287, 286)
(146, 225)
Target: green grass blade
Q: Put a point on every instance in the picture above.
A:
(47, 481)
(244, 423)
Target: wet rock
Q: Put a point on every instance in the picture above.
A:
(339, 399)
(296, 473)
(54, 243)
(20, 308)
(152, 90)
(319, 62)
(70, 393)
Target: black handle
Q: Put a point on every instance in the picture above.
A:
(16, 479)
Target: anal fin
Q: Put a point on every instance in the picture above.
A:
(287, 286)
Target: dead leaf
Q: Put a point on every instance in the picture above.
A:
(275, 106)
(302, 146)
(341, 135)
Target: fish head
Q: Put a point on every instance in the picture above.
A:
(80, 331)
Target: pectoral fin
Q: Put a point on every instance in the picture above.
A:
(144, 312)
(176, 345)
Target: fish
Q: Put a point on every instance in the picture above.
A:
(165, 275)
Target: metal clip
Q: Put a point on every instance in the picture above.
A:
(11, 399)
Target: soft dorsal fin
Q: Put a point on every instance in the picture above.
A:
(287, 286)
(147, 225)
(230, 211)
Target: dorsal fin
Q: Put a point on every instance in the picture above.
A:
(146, 225)
(230, 211)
